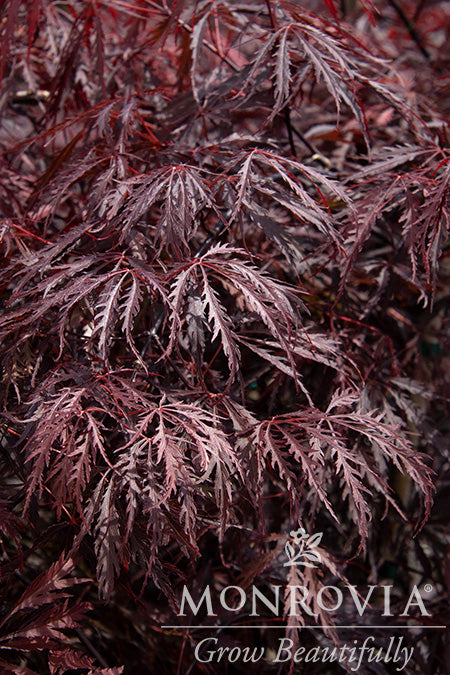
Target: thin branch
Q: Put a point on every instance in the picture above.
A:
(211, 47)
(419, 9)
(410, 28)
(287, 119)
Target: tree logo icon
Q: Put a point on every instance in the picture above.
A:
(301, 548)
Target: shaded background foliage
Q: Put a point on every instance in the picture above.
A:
(224, 299)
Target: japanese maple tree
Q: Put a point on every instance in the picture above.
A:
(223, 304)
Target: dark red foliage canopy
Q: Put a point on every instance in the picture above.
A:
(223, 312)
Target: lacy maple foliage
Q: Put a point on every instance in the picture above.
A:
(222, 305)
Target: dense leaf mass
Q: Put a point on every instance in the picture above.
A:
(223, 312)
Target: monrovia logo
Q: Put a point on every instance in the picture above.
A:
(284, 601)
(302, 551)
(329, 599)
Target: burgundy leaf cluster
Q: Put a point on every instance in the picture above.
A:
(223, 299)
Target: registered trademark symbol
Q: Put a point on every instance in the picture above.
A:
(428, 588)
